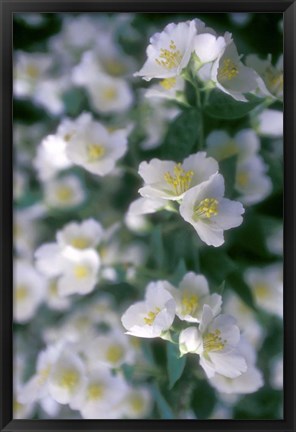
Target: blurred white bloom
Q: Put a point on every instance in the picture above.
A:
(53, 298)
(270, 78)
(84, 235)
(137, 403)
(24, 231)
(275, 242)
(153, 316)
(241, 19)
(167, 180)
(96, 149)
(251, 181)
(29, 291)
(248, 382)
(191, 295)
(277, 373)
(65, 192)
(49, 93)
(169, 52)
(168, 88)
(267, 287)
(270, 123)
(33, 19)
(204, 207)
(19, 184)
(29, 69)
(67, 377)
(216, 341)
(143, 206)
(137, 224)
(221, 145)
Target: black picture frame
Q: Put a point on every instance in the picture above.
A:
(8, 8)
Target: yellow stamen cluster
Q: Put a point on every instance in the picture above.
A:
(69, 379)
(137, 403)
(114, 67)
(53, 287)
(274, 80)
(114, 353)
(261, 290)
(149, 320)
(242, 179)
(32, 71)
(228, 70)
(80, 242)
(95, 152)
(21, 293)
(43, 374)
(169, 58)
(110, 93)
(95, 391)
(207, 208)
(81, 271)
(64, 193)
(181, 179)
(213, 341)
(168, 83)
(189, 304)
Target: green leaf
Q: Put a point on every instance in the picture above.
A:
(228, 170)
(239, 286)
(175, 364)
(223, 106)
(179, 272)
(182, 135)
(74, 100)
(162, 405)
(203, 400)
(216, 264)
(157, 247)
(128, 371)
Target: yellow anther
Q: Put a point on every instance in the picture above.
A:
(261, 290)
(32, 71)
(81, 271)
(168, 83)
(274, 80)
(137, 403)
(149, 320)
(114, 353)
(227, 150)
(95, 152)
(69, 379)
(228, 70)
(242, 179)
(80, 242)
(114, 67)
(169, 58)
(207, 208)
(95, 391)
(64, 193)
(110, 93)
(180, 180)
(21, 293)
(189, 304)
(213, 341)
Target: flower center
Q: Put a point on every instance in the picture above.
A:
(80, 242)
(261, 290)
(136, 403)
(53, 288)
(95, 391)
(213, 341)
(274, 80)
(43, 375)
(180, 180)
(149, 320)
(242, 179)
(95, 152)
(32, 71)
(21, 293)
(110, 93)
(69, 379)
(169, 58)
(114, 67)
(207, 208)
(228, 70)
(227, 150)
(189, 304)
(81, 271)
(114, 353)
(168, 83)
(64, 193)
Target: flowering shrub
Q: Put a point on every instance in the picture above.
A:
(148, 237)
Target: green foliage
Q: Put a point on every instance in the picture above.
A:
(203, 399)
(164, 408)
(223, 106)
(175, 363)
(227, 168)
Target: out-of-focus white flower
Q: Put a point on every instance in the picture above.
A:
(53, 299)
(96, 149)
(270, 123)
(137, 403)
(221, 145)
(153, 316)
(275, 242)
(19, 184)
(248, 382)
(65, 192)
(169, 52)
(143, 206)
(251, 181)
(137, 224)
(48, 94)
(168, 180)
(25, 222)
(277, 373)
(84, 235)
(216, 341)
(191, 295)
(29, 291)
(67, 377)
(267, 287)
(33, 19)
(204, 207)
(168, 88)
(270, 78)
(241, 19)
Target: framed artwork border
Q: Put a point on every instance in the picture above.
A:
(8, 8)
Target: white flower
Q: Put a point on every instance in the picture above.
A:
(29, 291)
(143, 206)
(270, 78)
(251, 181)
(53, 299)
(221, 145)
(168, 180)
(277, 373)
(169, 52)
(137, 403)
(168, 88)
(267, 287)
(275, 242)
(216, 342)
(84, 235)
(153, 316)
(65, 192)
(248, 382)
(49, 94)
(208, 47)
(204, 207)
(67, 377)
(191, 295)
(96, 149)
(270, 123)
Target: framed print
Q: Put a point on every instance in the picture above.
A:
(147, 215)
